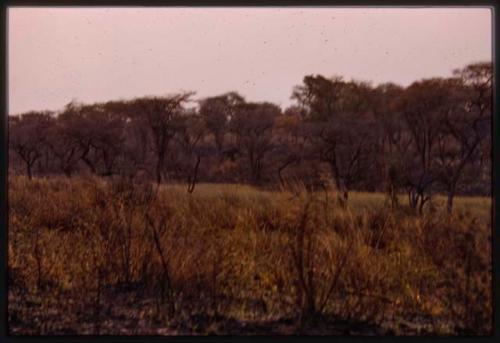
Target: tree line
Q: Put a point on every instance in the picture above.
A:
(433, 136)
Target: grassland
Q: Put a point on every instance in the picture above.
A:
(88, 256)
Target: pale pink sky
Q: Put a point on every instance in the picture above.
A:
(98, 54)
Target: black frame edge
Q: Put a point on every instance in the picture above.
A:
(495, 154)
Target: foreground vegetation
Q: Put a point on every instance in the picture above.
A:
(89, 256)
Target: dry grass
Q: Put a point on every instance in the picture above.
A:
(88, 256)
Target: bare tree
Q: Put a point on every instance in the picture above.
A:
(393, 142)
(423, 106)
(432, 136)
(63, 147)
(191, 131)
(79, 122)
(252, 127)
(289, 141)
(217, 112)
(466, 125)
(159, 114)
(341, 121)
(28, 135)
(109, 140)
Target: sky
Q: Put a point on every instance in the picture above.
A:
(56, 55)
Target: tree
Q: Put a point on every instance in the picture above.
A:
(432, 136)
(190, 134)
(466, 125)
(109, 140)
(159, 115)
(135, 138)
(393, 142)
(63, 147)
(79, 123)
(28, 135)
(340, 122)
(217, 112)
(289, 140)
(423, 105)
(92, 133)
(252, 126)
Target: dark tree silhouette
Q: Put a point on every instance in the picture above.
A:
(28, 134)
(466, 125)
(430, 137)
(252, 126)
(159, 115)
(217, 112)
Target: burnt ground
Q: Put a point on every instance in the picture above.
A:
(122, 314)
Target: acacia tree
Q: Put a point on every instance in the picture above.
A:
(109, 140)
(191, 131)
(431, 136)
(159, 115)
(340, 122)
(392, 140)
(93, 134)
(78, 128)
(465, 126)
(134, 137)
(289, 140)
(252, 126)
(423, 105)
(63, 147)
(28, 133)
(217, 111)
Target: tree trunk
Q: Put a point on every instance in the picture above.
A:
(421, 205)
(87, 161)
(393, 196)
(159, 167)
(282, 168)
(28, 170)
(219, 142)
(421, 200)
(449, 203)
(345, 195)
(413, 199)
(67, 172)
(343, 190)
(192, 179)
(310, 305)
